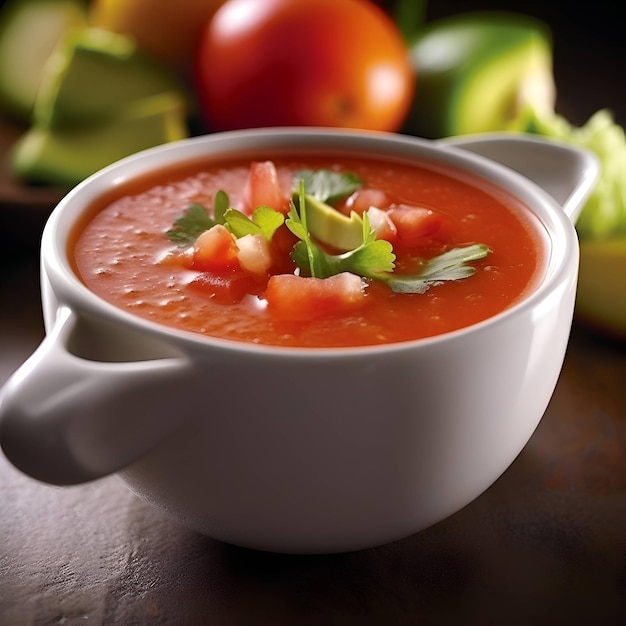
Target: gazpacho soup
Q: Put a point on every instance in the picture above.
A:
(310, 250)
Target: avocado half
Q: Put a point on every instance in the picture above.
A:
(30, 30)
(92, 74)
(98, 101)
(478, 72)
(65, 156)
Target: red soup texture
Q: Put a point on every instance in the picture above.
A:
(190, 248)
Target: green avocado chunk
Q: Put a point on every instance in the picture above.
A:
(477, 70)
(30, 30)
(331, 227)
(65, 156)
(94, 73)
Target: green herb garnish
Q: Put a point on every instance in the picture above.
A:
(265, 221)
(221, 204)
(194, 221)
(327, 185)
(450, 265)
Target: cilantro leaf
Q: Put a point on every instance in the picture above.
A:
(450, 265)
(194, 221)
(221, 204)
(265, 221)
(327, 185)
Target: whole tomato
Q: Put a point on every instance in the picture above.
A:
(340, 63)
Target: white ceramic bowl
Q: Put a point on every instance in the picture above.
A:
(365, 445)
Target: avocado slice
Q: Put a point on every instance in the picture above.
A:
(65, 156)
(93, 73)
(332, 227)
(476, 71)
(30, 30)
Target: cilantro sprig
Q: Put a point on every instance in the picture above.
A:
(451, 265)
(192, 223)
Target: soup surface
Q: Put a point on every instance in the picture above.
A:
(124, 251)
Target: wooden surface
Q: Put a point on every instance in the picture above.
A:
(546, 544)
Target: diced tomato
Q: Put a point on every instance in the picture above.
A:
(226, 287)
(263, 188)
(414, 223)
(362, 199)
(297, 298)
(215, 249)
(381, 224)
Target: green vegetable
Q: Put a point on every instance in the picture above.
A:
(30, 30)
(476, 72)
(330, 226)
(94, 74)
(450, 265)
(601, 225)
(221, 204)
(604, 213)
(326, 185)
(65, 156)
(324, 222)
(194, 221)
(98, 100)
(265, 221)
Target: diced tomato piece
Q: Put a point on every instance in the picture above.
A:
(297, 298)
(381, 224)
(414, 223)
(362, 199)
(263, 188)
(226, 287)
(215, 249)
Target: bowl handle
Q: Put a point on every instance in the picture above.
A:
(568, 173)
(66, 419)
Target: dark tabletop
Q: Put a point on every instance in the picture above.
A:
(546, 544)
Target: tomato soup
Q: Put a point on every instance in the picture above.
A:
(123, 252)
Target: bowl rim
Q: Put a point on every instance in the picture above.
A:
(70, 290)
